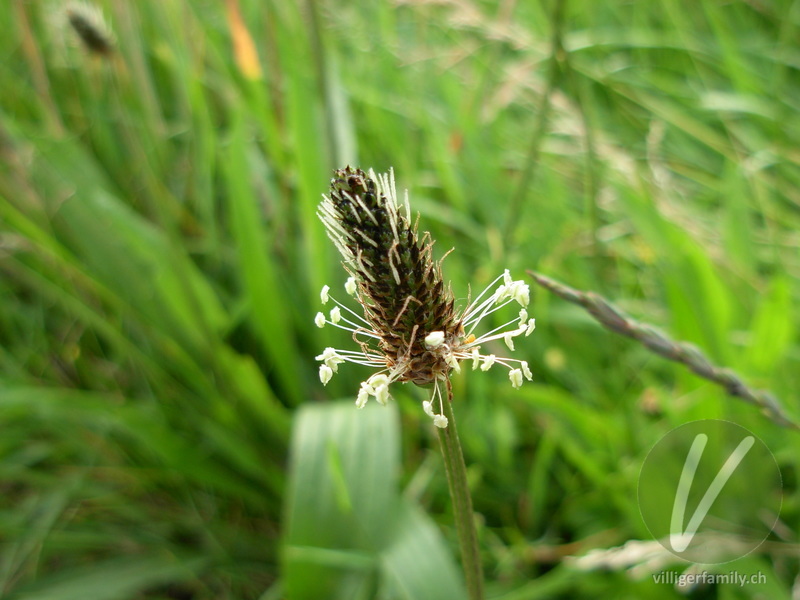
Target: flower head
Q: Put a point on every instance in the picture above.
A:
(410, 329)
(87, 21)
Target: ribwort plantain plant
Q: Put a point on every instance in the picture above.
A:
(410, 329)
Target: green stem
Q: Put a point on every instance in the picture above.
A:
(462, 502)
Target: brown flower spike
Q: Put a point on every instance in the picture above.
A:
(90, 27)
(410, 327)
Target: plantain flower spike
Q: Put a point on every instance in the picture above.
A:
(409, 329)
(89, 25)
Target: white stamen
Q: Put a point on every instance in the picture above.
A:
(508, 339)
(440, 421)
(477, 311)
(336, 315)
(325, 374)
(515, 375)
(488, 361)
(323, 295)
(382, 394)
(521, 293)
(474, 308)
(378, 386)
(487, 337)
(428, 408)
(363, 396)
(319, 320)
(350, 286)
(531, 326)
(351, 312)
(378, 379)
(434, 339)
(526, 371)
(453, 363)
(476, 358)
(331, 358)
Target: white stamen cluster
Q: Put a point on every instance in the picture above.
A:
(465, 346)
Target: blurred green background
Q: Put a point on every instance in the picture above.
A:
(163, 432)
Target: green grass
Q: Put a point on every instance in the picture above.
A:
(161, 260)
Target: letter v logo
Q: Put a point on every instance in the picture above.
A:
(678, 538)
(710, 478)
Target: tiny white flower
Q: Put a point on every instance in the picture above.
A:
(434, 339)
(515, 375)
(509, 340)
(382, 394)
(350, 286)
(501, 294)
(531, 326)
(378, 386)
(336, 315)
(428, 408)
(328, 353)
(526, 371)
(331, 358)
(440, 421)
(378, 379)
(323, 295)
(488, 361)
(521, 293)
(363, 396)
(325, 374)
(453, 363)
(319, 320)
(476, 358)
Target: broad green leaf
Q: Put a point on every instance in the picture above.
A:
(348, 531)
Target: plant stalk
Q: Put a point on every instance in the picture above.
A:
(462, 502)
(615, 320)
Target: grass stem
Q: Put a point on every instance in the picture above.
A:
(613, 319)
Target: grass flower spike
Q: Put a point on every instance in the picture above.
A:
(88, 23)
(410, 329)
